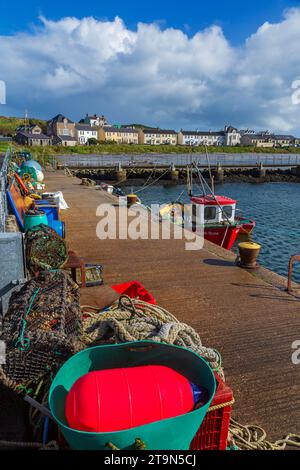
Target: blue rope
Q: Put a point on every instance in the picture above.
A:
(22, 342)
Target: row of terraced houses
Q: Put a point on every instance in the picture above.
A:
(63, 131)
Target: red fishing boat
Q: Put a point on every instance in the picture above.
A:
(215, 214)
(247, 225)
(220, 224)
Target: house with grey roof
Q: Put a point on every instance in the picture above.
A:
(283, 140)
(63, 128)
(94, 120)
(230, 136)
(32, 135)
(84, 132)
(196, 138)
(158, 136)
(119, 134)
(262, 139)
(64, 140)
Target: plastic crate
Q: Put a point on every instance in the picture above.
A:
(213, 433)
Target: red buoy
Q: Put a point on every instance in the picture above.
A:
(117, 399)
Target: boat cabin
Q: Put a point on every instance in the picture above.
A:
(215, 209)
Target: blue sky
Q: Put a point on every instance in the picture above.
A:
(238, 18)
(194, 64)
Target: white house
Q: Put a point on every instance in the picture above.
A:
(196, 138)
(95, 120)
(232, 136)
(84, 132)
(158, 137)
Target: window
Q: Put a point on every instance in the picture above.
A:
(66, 132)
(210, 213)
(227, 211)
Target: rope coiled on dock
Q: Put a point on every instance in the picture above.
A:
(253, 437)
(134, 320)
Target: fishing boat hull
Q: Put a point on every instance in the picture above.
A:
(247, 225)
(221, 234)
(224, 236)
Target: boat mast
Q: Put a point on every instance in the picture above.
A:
(189, 180)
(209, 171)
(203, 184)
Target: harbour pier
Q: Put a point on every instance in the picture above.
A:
(247, 316)
(173, 168)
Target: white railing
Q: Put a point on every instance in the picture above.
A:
(224, 159)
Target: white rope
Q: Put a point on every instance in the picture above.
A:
(153, 182)
(252, 437)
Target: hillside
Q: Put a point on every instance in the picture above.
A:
(137, 126)
(8, 125)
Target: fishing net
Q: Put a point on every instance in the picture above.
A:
(28, 173)
(41, 329)
(45, 249)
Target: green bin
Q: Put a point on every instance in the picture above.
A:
(32, 220)
(168, 434)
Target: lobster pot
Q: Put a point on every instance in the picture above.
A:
(41, 329)
(171, 433)
(45, 249)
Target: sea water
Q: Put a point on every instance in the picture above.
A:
(275, 207)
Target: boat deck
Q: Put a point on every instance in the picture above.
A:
(247, 316)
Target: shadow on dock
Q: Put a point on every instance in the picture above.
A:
(219, 262)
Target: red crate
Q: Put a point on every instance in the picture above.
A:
(213, 432)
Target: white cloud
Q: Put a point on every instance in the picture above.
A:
(154, 75)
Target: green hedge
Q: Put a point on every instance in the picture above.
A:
(112, 148)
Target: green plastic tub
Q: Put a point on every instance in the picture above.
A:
(31, 221)
(169, 434)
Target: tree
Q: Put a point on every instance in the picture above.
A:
(92, 141)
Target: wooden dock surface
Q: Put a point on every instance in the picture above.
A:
(248, 317)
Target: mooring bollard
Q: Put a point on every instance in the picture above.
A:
(132, 199)
(262, 171)
(121, 173)
(249, 252)
(219, 174)
(174, 174)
